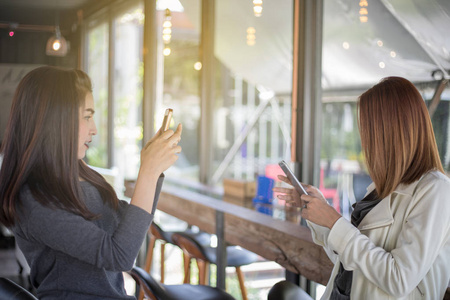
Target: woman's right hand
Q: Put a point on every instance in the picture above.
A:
(160, 152)
(290, 195)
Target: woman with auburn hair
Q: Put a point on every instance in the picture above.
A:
(397, 244)
(76, 235)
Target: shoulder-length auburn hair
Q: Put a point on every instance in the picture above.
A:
(397, 136)
(40, 148)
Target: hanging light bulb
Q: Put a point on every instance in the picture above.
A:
(167, 32)
(257, 8)
(57, 44)
(251, 38)
(167, 27)
(198, 66)
(12, 28)
(166, 51)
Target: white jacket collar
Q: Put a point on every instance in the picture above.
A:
(381, 214)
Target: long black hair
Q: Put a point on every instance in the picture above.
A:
(40, 147)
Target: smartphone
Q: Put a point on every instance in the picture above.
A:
(167, 118)
(290, 175)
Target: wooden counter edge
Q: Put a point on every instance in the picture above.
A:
(286, 243)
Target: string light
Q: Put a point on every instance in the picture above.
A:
(257, 8)
(251, 38)
(198, 66)
(167, 51)
(12, 28)
(167, 32)
(167, 27)
(363, 12)
(56, 45)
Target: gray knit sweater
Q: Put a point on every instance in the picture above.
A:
(72, 258)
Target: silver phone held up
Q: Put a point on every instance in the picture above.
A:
(290, 175)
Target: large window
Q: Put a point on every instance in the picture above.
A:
(128, 93)
(363, 42)
(178, 79)
(253, 81)
(116, 70)
(253, 88)
(97, 68)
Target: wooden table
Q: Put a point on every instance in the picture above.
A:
(286, 243)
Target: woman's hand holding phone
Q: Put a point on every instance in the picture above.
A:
(290, 195)
(161, 151)
(315, 207)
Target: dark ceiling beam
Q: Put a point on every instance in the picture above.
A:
(437, 96)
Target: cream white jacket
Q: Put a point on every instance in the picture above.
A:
(401, 249)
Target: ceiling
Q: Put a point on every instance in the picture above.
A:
(407, 38)
(41, 12)
(43, 4)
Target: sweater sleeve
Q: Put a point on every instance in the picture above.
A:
(399, 271)
(82, 239)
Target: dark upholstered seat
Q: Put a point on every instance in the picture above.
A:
(157, 233)
(12, 291)
(155, 290)
(285, 290)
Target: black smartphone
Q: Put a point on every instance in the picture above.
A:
(167, 118)
(290, 175)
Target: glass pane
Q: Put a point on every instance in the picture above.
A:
(361, 45)
(97, 68)
(440, 120)
(179, 70)
(128, 92)
(252, 116)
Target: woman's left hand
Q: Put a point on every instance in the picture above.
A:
(315, 207)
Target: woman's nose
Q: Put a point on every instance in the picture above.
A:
(93, 128)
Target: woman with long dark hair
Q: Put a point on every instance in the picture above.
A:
(76, 235)
(397, 243)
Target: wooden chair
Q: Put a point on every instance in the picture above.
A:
(204, 255)
(156, 233)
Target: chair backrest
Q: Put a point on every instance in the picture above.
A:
(156, 231)
(285, 290)
(11, 290)
(189, 246)
(152, 288)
